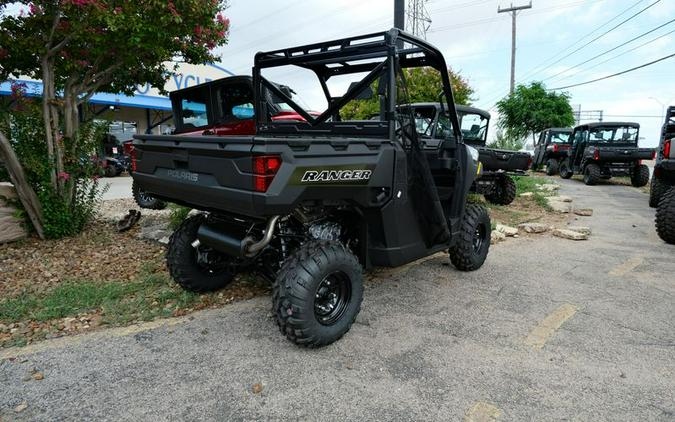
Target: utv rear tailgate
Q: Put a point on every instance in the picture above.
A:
(498, 159)
(200, 171)
(622, 154)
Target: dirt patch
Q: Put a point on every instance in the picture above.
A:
(525, 210)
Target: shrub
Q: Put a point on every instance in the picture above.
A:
(177, 215)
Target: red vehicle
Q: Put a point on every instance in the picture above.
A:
(222, 107)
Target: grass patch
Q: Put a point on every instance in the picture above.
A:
(152, 295)
(529, 184)
(177, 215)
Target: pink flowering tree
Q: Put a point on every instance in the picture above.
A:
(80, 47)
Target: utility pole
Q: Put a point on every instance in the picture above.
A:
(399, 14)
(419, 20)
(514, 11)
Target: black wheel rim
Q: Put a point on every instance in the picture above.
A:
(332, 297)
(479, 238)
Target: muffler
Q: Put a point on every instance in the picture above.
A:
(216, 238)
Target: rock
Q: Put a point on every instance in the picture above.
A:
(533, 227)
(564, 198)
(558, 205)
(508, 231)
(580, 229)
(257, 388)
(584, 212)
(549, 187)
(497, 237)
(527, 194)
(569, 234)
(38, 376)
(11, 227)
(4, 329)
(21, 407)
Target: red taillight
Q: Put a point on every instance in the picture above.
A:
(132, 153)
(596, 154)
(666, 149)
(265, 167)
(555, 147)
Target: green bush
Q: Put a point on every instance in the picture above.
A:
(64, 214)
(177, 215)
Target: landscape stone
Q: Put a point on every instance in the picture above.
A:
(507, 230)
(569, 234)
(533, 227)
(584, 212)
(581, 229)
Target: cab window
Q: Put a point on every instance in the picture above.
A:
(235, 102)
(193, 109)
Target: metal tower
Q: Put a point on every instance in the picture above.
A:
(418, 19)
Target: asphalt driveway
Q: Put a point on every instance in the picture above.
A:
(548, 329)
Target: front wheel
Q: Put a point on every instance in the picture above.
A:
(640, 176)
(565, 169)
(197, 268)
(471, 248)
(317, 293)
(665, 217)
(145, 200)
(551, 167)
(503, 192)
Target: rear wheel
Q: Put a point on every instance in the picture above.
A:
(145, 200)
(473, 243)
(592, 174)
(640, 176)
(197, 269)
(317, 294)
(665, 217)
(551, 167)
(565, 169)
(503, 192)
(656, 191)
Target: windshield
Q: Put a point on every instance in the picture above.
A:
(620, 134)
(560, 137)
(474, 126)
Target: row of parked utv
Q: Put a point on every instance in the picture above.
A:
(602, 150)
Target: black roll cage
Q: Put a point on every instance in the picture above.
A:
(331, 58)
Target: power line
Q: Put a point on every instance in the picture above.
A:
(620, 54)
(603, 34)
(615, 74)
(611, 49)
(419, 20)
(543, 66)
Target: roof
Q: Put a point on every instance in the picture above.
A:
(460, 108)
(609, 124)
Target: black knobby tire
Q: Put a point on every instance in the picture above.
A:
(551, 167)
(185, 266)
(640, 176)
(473, 243)
(503, 192)
(656, 191)
(110, 171)
(665, 217)
(301, 295)
(592, 174)
(565, 170)
(144, 200)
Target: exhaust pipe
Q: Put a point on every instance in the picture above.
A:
(230, 245)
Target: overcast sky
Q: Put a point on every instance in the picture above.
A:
(476, 41)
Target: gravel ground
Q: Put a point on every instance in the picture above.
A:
(548, 329)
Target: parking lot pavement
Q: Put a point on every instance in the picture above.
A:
(548, 329)
(119, 187)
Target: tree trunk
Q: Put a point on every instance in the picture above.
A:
(47, 98)
(26, 194)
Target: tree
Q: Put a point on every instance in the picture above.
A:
(507, 140)
(80, 47)
(424, 84)
(531, 109)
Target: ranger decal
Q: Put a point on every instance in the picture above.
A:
(336, 175)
